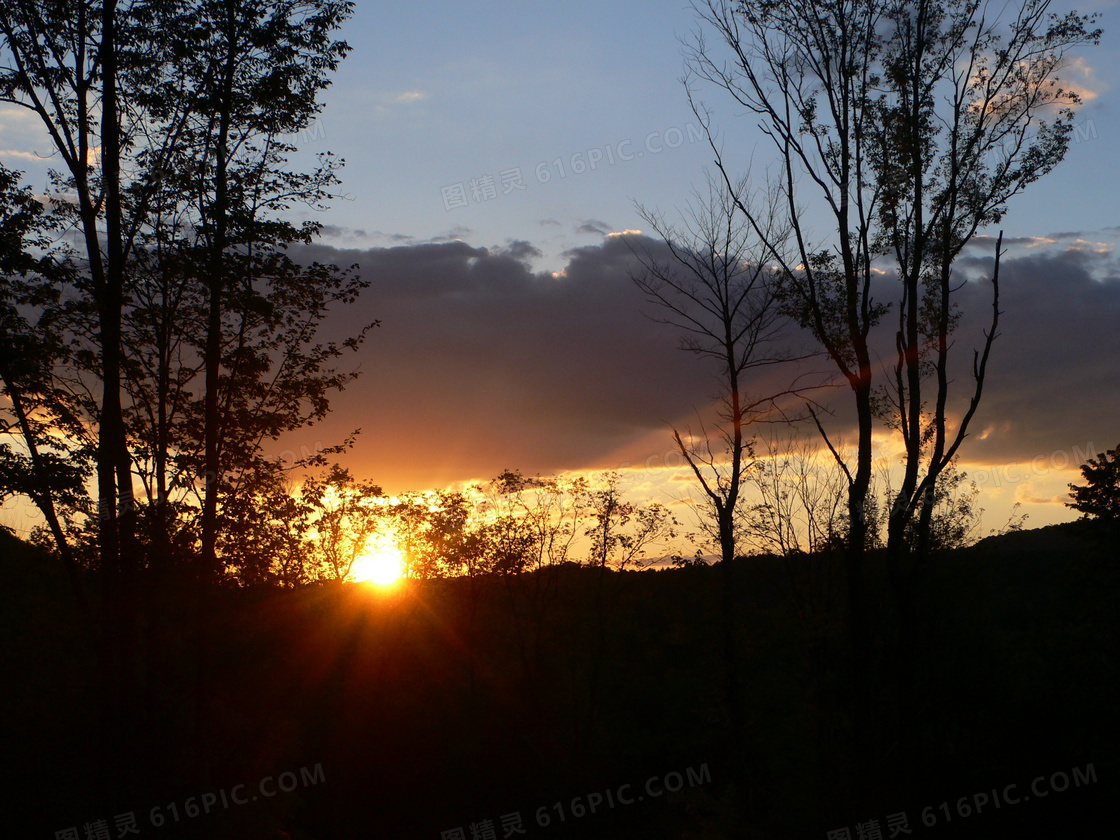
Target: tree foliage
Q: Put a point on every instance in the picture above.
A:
(1099, 496)
(213, 352)
(181, 338)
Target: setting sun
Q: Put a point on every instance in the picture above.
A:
(382, 562)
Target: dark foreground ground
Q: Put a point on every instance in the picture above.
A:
(580, 704)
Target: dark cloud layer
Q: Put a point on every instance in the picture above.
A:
(1055, 368)
(482, 363)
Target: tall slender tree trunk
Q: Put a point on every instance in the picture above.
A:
(732, 685)
(119, 547)
(854, 563)
(216, 278)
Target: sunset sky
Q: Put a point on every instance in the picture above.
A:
(512, 336)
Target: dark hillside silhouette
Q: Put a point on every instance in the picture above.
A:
(1018, 679)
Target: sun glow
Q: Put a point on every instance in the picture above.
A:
(382, 562)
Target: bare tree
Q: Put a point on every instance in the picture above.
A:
(715, 282)
(911, 125)
(800, 500)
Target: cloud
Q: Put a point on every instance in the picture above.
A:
(456, 234)
(984, 245)
(339, 232)
(523, 251)
(1054, 383)
(1078, 76)
(594, 227)
(385, 104)
(1026, 494)
(482, 364)
(17, 118)
(1095, 244)
(20, 155)
(347, 234)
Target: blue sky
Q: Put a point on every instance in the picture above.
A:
(437, 94)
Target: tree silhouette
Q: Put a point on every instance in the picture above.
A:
(621, 532)
(344, 517)
(717, 287)
(53, 471)
(168, 120)
(272, 376)
(914, 124)
(1099, 497)
(64, 64)
(911, 125)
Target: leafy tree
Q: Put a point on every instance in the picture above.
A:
(53, 468)
(168, 119)
(1099, 496)
(526, 529)
(343, 517)
(192, 119)
(531, 523)
(954, 512)
(621, 532)
(264, 535)
(435, 531)
(255, 77)
(62, 61)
